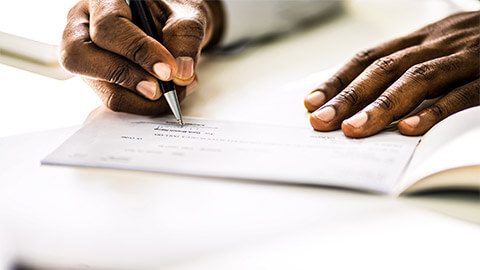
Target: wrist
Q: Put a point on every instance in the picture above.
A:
(215, 23)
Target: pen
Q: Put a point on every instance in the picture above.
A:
(143, 19)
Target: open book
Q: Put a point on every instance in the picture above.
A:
(389, 163)
(448, 156)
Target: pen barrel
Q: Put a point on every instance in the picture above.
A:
(142, 18)
(166, 87)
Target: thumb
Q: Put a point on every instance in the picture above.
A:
(184, 38)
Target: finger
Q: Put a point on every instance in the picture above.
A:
(111, 29)
(354, 67)
(461, 98)
(183, 36)
(426, 80)
(80, 56)
(119, 99)
(370, 84)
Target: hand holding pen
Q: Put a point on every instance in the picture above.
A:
(123, 64)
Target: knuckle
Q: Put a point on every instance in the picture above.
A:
(350, 96)
(463, 97)
(468, 95)
(337, 82)
(73, 11)
(137, 50)
(437, 110)
(420, 72)
(100, 29)
(68, 54)
(385, 64)
(385, 102)
(77, 9)
(120, 74)
(364, 58)
(186, 27)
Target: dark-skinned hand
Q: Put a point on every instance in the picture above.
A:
(385, 83)
(122, 64)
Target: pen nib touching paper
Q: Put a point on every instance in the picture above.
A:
(238, 150)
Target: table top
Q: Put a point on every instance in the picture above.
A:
(108, 219)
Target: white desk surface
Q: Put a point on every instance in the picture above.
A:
(107, 219)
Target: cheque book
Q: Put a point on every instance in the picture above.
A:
(388, 163)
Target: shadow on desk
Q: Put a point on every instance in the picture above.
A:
(463, 205)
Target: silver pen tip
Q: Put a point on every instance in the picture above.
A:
(172, 100)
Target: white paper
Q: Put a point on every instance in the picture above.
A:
(238, 150)
(450, 144)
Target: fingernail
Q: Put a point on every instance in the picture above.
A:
(316, 98)
(326, 114)
(358, 120)
(148, 89)
(191, 87)
(412, 121)
(163, 71)
(184, 67)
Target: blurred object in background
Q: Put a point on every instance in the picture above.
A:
(30, 32)
(418, 13)
(465, 5)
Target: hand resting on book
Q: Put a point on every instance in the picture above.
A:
(387, 82)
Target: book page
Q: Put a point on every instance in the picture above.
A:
(238, 150)
(451, 144)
